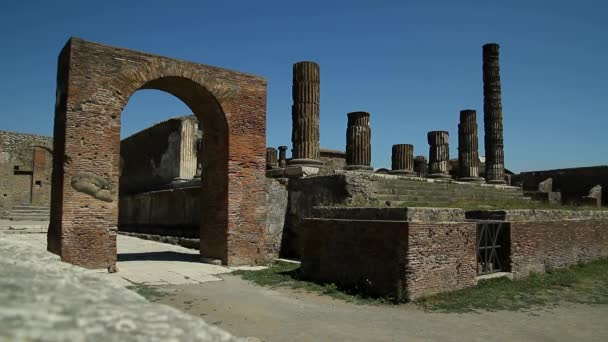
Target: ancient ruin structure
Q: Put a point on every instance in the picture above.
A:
(305, 114)
(271, 158)
(402, 159)
(421, 166)
(282, 156)
(439, 154)
(492, 115)
(468, 150)
(231, 107)
(358, 142)
(162, 154)
(25, 175)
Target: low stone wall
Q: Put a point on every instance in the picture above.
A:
(538, 246)
(172, 212)
(407, 253)
(401, 259)
(177, 213)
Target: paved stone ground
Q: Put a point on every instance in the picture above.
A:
(150, 262)
(249, 310)
(43, 299)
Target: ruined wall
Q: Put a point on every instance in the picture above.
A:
(304, 194)
(158, 155)
(368, 255)
(538, 246)
(403, 260)
(170, 212)
(441, 257)
(573, 183)
(333, 159)
(25, 169)
(276, 210)
(177, 212)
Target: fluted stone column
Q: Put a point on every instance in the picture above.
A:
(282, 156)
(439, 154)
(358, 142)
(271, 158)
(402, 159)
(305, 114)
(468, 147)
(420, 166)
(492, 116)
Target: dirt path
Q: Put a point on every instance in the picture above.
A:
(245, 309)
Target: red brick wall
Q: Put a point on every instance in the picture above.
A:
(403, 260)
(94, 84)
(369, 255)
(539, 246)
(41, 176)
(441, 257)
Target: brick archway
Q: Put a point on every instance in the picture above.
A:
(94, 83)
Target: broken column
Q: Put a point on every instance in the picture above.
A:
(492, 117)
(468, 147)
(358, 142)
(271, 158)
(305, 114)
(402, 159)
(282, 156)
(420, 166)
(594, 198)
(439, 154)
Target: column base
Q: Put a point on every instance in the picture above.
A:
(402, 172)
(497, 182)
(359, 167)
(438, 175)
(304, 162)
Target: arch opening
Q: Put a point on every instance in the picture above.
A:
(94, 84)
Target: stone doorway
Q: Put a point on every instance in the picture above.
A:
(94, 83)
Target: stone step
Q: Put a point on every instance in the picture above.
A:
(418, 197)
(30, 211)
(32, 207)
(455, 187)
(433, 203)
(451, 192)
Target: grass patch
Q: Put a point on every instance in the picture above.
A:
(585, 284)
(151, 293)
(285, 274)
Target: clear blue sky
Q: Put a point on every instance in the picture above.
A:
(412, 64)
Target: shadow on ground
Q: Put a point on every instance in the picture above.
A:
(159, 256)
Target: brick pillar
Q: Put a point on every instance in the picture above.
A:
(305, 114)
(271, 158)
(358, 142)
(282, 156)
(492, 115)
(420, 166)
(468, 147)
(402, 159)
(439, 154)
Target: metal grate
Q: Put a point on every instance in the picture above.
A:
(488, 247)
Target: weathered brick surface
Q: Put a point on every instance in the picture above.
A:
(441, 257)
(539, 246)
(398, 259)
(25, 159)
(94, 84)
(370, 255)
